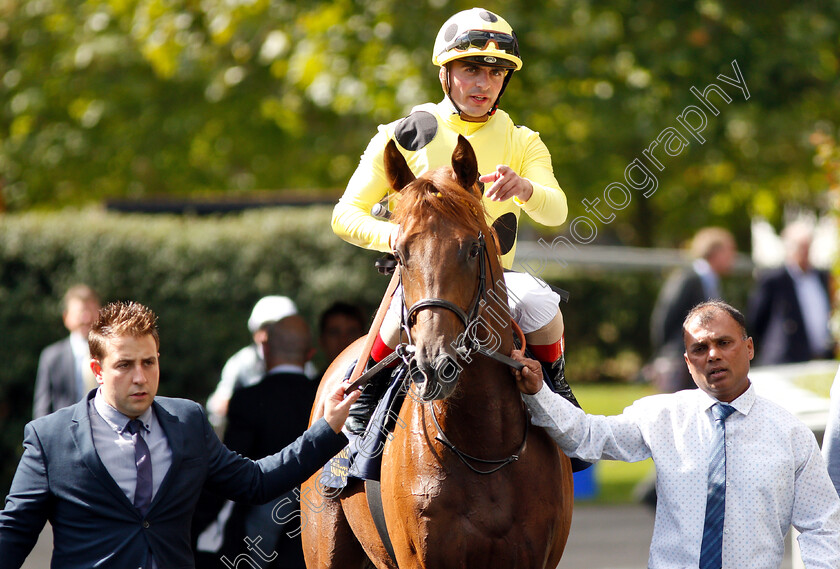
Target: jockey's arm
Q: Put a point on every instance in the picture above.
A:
(353, 222)
(547, 202)
(351, 219)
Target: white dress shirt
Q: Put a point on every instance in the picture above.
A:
(81, 355)
(775, 475)
(814, 306)
(709, 278)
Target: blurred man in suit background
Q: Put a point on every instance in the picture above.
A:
(64, 375)
(791, 305)
(262, 419)
(713, 253)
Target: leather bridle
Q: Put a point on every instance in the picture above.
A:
(467, 317)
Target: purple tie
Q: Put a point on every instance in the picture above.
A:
(143, 461)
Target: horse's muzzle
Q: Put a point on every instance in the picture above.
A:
(435, 380)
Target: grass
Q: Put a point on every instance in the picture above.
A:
(819, 383)
(615, 480)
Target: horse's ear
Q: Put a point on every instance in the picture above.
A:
(396, 168)
(464, 164)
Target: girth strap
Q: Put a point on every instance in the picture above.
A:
(373, 492)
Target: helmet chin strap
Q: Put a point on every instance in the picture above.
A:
(501, 92)
(468, 118)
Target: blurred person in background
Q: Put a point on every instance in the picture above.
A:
(713, 253)
(263, 419)
(831, 439)
(247, 366)
(339, 326)
(790, 307)
(64, 376)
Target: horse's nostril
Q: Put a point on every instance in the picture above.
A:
(417, 374)
(446, 368)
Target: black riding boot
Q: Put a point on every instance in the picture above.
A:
(555, 377)
(362, 410)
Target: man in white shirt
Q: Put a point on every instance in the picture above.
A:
(775, 476)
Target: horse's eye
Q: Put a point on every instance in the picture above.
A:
(474, 250)
(400, 254)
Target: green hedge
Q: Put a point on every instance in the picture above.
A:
(201, 276)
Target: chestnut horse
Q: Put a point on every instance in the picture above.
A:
(465, 481)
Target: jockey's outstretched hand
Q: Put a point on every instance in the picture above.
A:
(337, 406)
(507, 184)
(529, 380)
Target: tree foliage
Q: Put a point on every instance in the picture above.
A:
(125, 98)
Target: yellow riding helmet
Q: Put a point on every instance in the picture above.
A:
(480, 36)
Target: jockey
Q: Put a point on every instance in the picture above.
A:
(477, 53)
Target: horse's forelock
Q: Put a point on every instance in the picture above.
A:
(437, 193)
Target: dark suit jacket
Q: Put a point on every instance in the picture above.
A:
(680, 293)
(61, 478)
(55, 384)
(262, 419)
(775, 320)
(265, 417)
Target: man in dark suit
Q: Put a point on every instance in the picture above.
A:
(119, 473)
(263, 419)
(64, 376)
(790, 307)
(713, 251)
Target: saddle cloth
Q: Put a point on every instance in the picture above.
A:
(362, 457)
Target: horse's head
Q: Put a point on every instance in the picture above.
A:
(447, 259)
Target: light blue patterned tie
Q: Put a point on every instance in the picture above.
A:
(711, 549)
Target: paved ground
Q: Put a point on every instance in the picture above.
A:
(613, 537)
(602, 537)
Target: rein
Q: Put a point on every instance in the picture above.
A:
(466, 458)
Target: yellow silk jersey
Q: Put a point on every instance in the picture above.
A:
(427, 138)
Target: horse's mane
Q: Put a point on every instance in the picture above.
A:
(437, 194)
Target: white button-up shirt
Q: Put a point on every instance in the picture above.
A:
(775, 475)
(814, 306)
